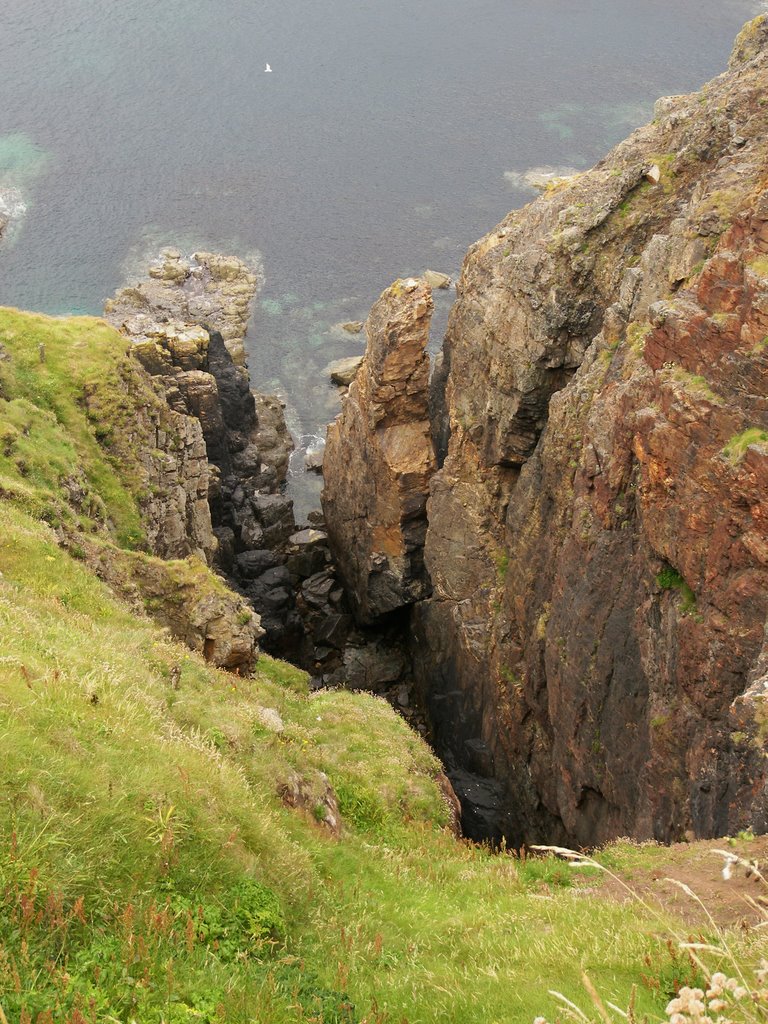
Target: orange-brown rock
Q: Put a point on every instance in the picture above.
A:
(593, 657)
(379, 458)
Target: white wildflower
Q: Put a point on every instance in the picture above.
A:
(716, 984)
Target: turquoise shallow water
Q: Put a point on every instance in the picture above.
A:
(377, 147)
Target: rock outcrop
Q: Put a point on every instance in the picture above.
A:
(185, 597)
(592, 657)
(208, 289)
(186, 323)
(379, 458)
(162, 451)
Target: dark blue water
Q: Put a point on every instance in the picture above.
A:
(377, 147)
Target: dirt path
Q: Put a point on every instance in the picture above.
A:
(729, 902)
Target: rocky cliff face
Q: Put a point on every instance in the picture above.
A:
(379, 458)
(186, 322)
(162, 450)
(592, 656)
(597, 534)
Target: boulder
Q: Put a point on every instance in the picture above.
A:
(308, 538)
(252, 564)
(343, 371)
(373, 667)
(437, 280)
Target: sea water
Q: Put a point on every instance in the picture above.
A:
(388, 137)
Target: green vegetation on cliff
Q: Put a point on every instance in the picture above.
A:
(50, 436)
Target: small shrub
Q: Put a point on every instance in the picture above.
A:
(670, 579)
(258, 912)
(737, 447)
(502, 565)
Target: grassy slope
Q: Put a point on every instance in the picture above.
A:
(46, 431)
(149, 869)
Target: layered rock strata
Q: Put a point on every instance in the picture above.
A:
(162, 450)
(186, 323)
(379, 458)
(592, 657)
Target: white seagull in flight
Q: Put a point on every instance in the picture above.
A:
(267, 68)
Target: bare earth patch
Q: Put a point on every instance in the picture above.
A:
(727, 901)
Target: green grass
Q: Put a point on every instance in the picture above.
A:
(123, 798)
(695, 384)
(149, 868)
(670, 579)
(637, 333)
(737, 447)
(69, 397)
(502, 565)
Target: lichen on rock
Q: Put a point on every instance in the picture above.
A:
(207, 290)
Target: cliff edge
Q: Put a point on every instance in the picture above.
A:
(597, 540)
(592, 656)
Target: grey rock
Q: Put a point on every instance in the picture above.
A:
(308, 538)
(437, 280)
(343, 371)
(252, 564)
